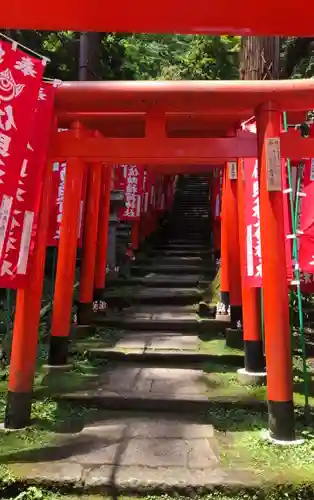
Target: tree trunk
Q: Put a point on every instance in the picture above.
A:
(260, 58)
(90, 56)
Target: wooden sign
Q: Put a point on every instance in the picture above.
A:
(232, 169)
(273, 164)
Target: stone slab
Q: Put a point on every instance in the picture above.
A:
(133, 382)
(168, 292)
(131, 451)
(156, 341)
(154, 310)
(155, 382)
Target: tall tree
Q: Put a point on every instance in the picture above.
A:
(260, 58)
(297, 57)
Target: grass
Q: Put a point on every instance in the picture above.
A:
(242, 446)
(215, 495)
(217, 347)
(34, 493)
(221, 380)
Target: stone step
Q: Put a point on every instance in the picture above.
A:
(177, 260)
(162, 321)
(140, 269)
(157, 389)
(181, 253)
(155, 295)
(183, 241)
(183, 246)
(153, 280)
(185, 321)
(135, 453)
(160, 357)
(144, 388)
(171, 349)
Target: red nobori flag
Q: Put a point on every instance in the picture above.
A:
(253, 252)
(56, 210)
(26, 203)
(306, 223)
(20, 81)
(119, 173)
(133, 192)
(144, 206)
(216, 192)
(306, 238)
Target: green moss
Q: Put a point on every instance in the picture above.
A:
(241, 437)
(217, 347)
(222, 381)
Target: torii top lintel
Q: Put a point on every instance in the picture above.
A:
(239, 97)
(263, 17)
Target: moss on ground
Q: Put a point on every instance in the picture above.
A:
(217, 347)
(221, 380)
(241, 436)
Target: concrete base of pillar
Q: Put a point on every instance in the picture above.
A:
(251, 378)
(267, 437)
(234, 338)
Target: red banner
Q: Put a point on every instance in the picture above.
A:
(287, 219)
(169, 191)
(133, 192)
(56, 211)
(216, 191)
(152, 197)
(20, 80)
(119, 173)
(145, 196)
(160, 194)
(26, 204)
(306, 238)
(253, 254)
(253, 261)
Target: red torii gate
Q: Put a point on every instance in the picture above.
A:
(160, 143)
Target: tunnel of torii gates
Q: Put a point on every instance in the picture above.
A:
(168, 126)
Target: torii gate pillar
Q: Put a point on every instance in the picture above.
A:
(276, 307)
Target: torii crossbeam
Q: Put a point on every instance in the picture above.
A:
(166, 16)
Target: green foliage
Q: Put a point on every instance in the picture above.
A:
(297, 57)
(139, 56)
(182, 57)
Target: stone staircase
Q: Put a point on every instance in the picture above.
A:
(151, 431)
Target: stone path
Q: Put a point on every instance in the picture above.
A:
(135, 453)
(170, 446)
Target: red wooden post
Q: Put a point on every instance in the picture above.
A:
(26, 322)
(135, 235)
(86, 292)
(224, 263)
(102, 242)
(275, 288)
(63, 294)
(254, 362)
(234, 267)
